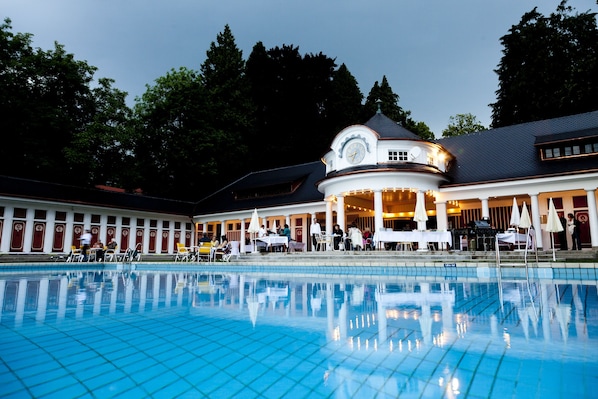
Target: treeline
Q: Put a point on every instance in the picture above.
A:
(191, 132)
(194, 131)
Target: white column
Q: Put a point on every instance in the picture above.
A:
(536, 221)
(378, 210)
(7, 229)
(593, 216)
(222, 228)
(441, 215)
(28, 233)
(158, 245)
(328, 216)
(118, 232)
(146, 236)
(242, 238)
(485, 208)
(103, 228)
(49, 234)
(340, 212)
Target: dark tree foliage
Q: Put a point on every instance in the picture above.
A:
(175, 147)
(291, 95)
(45, 100)
(344, 108)
(382, 96)
(549, 67)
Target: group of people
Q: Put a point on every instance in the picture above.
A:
(354, 239)
(218, 248)
(570, 225)
(99, 248)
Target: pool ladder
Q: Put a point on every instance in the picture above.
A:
(530, 242)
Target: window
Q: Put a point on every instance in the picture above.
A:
(394, 155)
(567, 149)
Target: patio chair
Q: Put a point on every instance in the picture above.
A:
(322, 242)
(74, 255)
(183, 254)
(110, 255)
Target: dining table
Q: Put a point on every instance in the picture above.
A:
(274, 240)
(442, 238)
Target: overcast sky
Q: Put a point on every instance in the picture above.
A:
(439, 55)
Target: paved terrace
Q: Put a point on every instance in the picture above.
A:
(585, 259)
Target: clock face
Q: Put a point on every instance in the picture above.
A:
(355, 153)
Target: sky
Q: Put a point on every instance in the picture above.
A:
(439, 56)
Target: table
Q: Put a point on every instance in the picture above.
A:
(274, 240)
(440, 237)
(513, 238)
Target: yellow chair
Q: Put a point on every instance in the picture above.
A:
(75, 254)
(183, 254)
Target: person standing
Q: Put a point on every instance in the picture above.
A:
(573, 227)
(85, 243)
(315, 231)
(338, 236)
(563, 235)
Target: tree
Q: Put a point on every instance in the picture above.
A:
(291, 94)
(381, 95)
(549, 67)
(45, 99)
(175, 151)
(229, 110)
(462, 124)
(103, 153)
(344, 107)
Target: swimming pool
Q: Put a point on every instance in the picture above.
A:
(166, 331)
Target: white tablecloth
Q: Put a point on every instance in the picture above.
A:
(274, 240)
(512, 238)
(413, 236)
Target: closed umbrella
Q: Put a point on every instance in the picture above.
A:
(525, 223)
(553, 225)
(515, 218)
(420, 214)
(254, 226)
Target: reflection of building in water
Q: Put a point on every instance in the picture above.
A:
(394, 314)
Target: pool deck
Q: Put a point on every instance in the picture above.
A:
(585, 259)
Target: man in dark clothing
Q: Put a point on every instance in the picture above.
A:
(563, 234)
(573, 227)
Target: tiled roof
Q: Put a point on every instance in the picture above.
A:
(389, 129)
(302, 177)
(32, 189)
(509, 152)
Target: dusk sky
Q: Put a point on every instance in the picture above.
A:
(439, 56)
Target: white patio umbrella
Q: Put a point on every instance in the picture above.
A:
(254, 226)
(525, 222)
(420, 214)
(553, 225)
(515, 219)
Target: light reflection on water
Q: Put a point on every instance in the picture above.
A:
(301, 335)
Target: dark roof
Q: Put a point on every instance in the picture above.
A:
(567, 136)
(299, 181)
(33, 189)
(509, 152)
(389, 129)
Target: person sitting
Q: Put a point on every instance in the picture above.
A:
(356, 238)
(98, 248)
(368, 239)
(112, 244)
(338, 236)
(222, 249)
(204, 238)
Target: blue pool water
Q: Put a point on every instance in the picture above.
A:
(173, 331)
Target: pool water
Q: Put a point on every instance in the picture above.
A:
(224, 333)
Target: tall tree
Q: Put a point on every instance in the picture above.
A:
(291, 94)
(228, 105)
(103, 153)
(45, 99)
(344, 107)
(382, 95)
(549, 67)
(176, 153)
(462, 124)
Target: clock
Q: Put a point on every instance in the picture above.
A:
(355, 153)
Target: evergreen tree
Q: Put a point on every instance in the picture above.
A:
(549, 67)
(344, 107)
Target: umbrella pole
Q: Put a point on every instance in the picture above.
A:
(553, 253)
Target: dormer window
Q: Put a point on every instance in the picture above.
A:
(568, 145)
